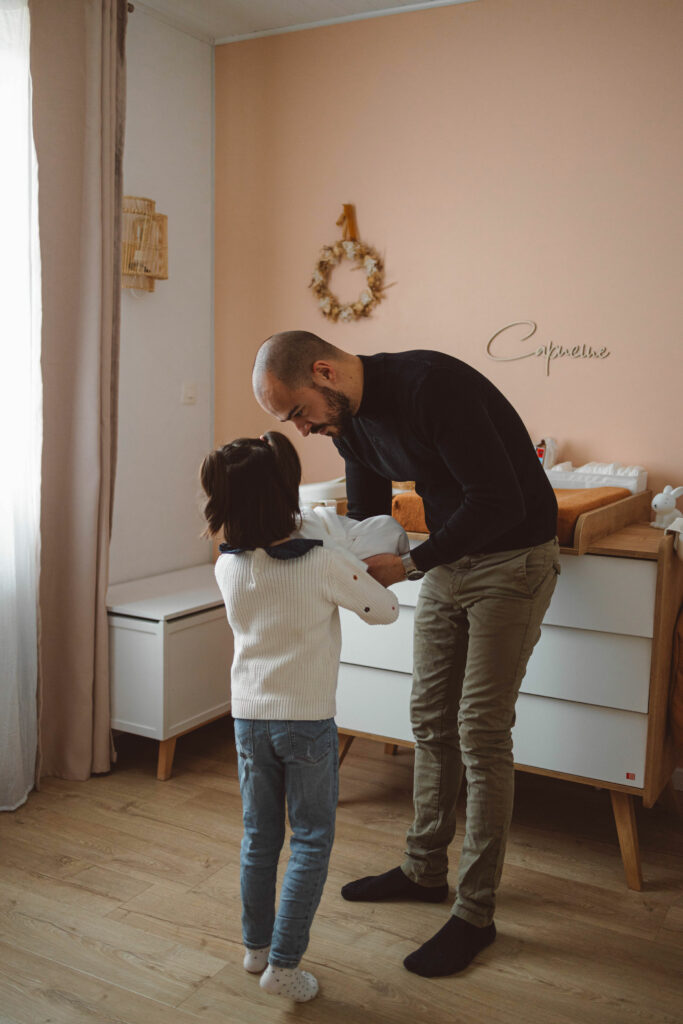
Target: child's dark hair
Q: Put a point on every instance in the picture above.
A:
(252, 489)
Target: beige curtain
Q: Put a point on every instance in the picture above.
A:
(78, 71)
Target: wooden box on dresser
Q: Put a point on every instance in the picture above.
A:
(593, 704)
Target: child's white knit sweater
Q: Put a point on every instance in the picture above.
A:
(284, 616)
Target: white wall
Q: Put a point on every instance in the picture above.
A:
(166, 336)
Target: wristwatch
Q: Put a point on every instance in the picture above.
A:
(412, 571)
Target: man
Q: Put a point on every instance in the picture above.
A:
(490, 565)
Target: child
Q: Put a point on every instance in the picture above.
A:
(282, 595)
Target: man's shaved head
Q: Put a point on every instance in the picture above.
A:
(301, 379)
(289, 357)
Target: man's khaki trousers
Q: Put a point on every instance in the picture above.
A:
(476, 624)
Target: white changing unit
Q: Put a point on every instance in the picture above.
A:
(170, 651)
(593, 704)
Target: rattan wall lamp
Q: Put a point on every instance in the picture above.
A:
(144, 244)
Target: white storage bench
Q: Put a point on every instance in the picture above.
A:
(170, 651)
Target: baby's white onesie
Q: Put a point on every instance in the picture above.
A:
(377, 535)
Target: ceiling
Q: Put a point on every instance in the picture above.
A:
(223, 21)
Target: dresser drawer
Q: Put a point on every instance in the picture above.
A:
(614, 595)
(591, 668)
(555, 735)
(387, 647)
(374, 701)
(582, 665)
(594, 592)
(407, 592)
(580, 739)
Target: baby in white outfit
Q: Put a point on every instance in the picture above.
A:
(377, 535)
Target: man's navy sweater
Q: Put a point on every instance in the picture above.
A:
(428, 417)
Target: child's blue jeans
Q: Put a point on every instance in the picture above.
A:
(297, 762)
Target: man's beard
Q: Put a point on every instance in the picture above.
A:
(338, 410)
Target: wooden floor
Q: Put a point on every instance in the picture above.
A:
(120, 903)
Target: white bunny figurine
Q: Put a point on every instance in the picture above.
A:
(664, 505)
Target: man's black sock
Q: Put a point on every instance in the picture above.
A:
(451, 949)
(392, 885)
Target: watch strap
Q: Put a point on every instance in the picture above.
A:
(412, 571)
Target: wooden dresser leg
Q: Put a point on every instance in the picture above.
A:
(625, 819)
(165, 762)
(344, 745)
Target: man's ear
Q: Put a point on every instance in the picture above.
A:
(324, 373)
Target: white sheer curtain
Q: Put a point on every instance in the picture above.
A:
(20, 411)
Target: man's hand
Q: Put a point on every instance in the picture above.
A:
(386, 569)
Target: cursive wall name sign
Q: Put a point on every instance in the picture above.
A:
(508, 337)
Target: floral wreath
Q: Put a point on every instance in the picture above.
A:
(366, 258)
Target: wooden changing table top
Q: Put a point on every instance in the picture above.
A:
(617, 529)
(621, 529)
(583, 533)
(637, 540)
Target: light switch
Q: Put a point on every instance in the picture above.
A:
(188, 392)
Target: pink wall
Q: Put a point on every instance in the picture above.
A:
(513, 160)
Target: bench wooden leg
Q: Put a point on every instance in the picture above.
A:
(344, 746)
(165, 762)
(625, 819)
